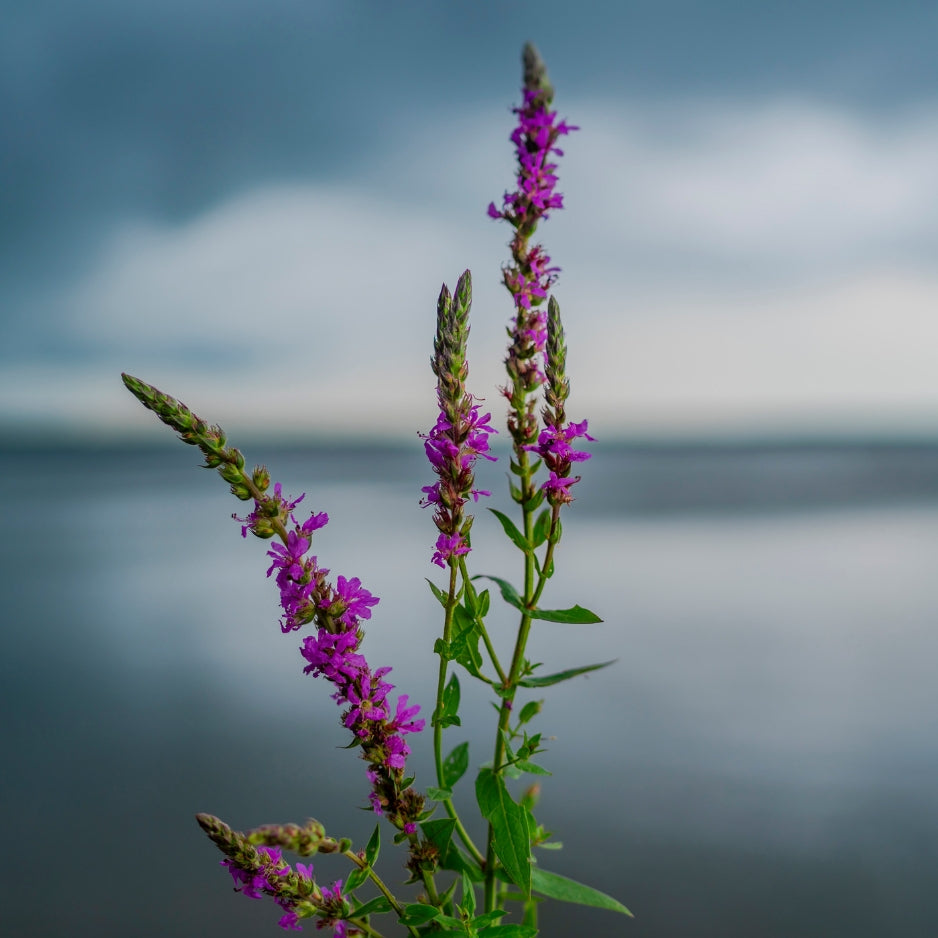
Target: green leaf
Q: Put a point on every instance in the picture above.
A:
(459, 862)
(509, 931)
(355, 879)
(509, 593)
(549, 679)
(439, 794)
(464, 647)
(555, 886)
(577, 615)
(485, 600)
(530, 710)
(472, 598)
(535, 501)
(374, 845)
(376, 906)
(520, 541)
(450, 709)
(455, 765)
(542, 527)
(440, 595)
(509, 825)
(558, 532)
(487, 918)
(439, 832)
(418, 914)
(532, 768)
(468, 895)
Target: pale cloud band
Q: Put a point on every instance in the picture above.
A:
(727, 268)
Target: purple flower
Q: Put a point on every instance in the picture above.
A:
(449, 545)
(254, 883)
(531, 274)
(357, 601)
(403, 721)
(398, 751)
(267, 509)
(314, 522)
(553, 446)
(290, 921)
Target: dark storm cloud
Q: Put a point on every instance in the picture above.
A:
(114, 108)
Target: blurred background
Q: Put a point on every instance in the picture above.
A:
(253, 206)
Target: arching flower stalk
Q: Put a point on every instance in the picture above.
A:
(460, 434)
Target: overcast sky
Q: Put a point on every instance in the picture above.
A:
(252, 205)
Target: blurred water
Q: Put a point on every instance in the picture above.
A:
(762, 760)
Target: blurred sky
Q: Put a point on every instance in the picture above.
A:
(253, 205)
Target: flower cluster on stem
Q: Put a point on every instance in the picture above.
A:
(255, 862)
(306, 595)
(334, 652)
(530, 275)
(460, 434)
(554, 443)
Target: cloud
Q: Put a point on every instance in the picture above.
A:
(725, 265)
(786, 187)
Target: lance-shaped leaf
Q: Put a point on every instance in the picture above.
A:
(464, 647)
(374, 845)
(455, 765)
(418, 914)
(509, 527)
(555, 886)
(440, 595)
(355, 879)
(576, 615)
(548, 679)
(375, 906)
(542, 527)
(509, 825)
(449, 709)
(440, 834)
(509, 593)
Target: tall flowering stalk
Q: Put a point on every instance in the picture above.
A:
(460, 434)
(530, 274)
(334, 610)
(536, 365)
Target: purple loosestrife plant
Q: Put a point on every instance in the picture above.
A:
(442, 858)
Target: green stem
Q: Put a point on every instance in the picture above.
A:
(367, 929)
(441, 680)
(483, 631)
(437, 727)
(517, 658)
(379, 882)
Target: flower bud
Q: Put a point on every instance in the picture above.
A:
(261, 478)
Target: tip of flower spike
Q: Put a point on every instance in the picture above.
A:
(535, 71)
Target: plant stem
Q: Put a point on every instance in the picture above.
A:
(517, 660)
(379, 882)
(437, 727)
